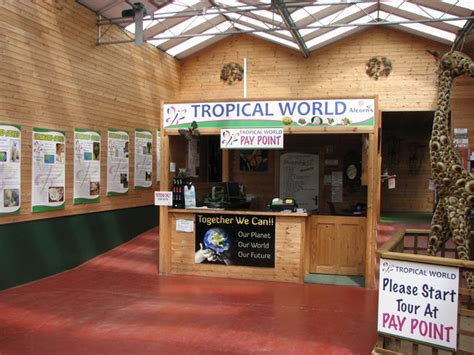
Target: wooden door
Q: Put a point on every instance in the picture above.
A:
(337, 245)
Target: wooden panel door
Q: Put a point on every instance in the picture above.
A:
(337, 245)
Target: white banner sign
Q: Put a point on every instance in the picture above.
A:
(252, 138)
(49, 170)
(419, 302)
(163, 198)
(10, 169)
(86, 166)
(143, 159)
(117, 162)
(343, 112)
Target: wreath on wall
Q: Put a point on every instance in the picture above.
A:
(377, 67)
(231, 72)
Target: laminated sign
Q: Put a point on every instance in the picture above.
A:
(419, 302)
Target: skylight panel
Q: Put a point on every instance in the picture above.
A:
(192, 42)
(468, 4)
(270, 15)
(424, 12)
(306, 11)
(326, 37)
(338, 16)
(182, 27)
(346, 12)
(248, 20)
(268, 36)
(175, 7)
(433, 31)
(166, 11)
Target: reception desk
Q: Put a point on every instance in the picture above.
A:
(275, 251)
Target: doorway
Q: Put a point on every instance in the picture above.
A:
(405, 155)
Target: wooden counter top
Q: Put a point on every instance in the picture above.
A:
(239, 212)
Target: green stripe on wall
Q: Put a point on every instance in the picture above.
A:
(32, 250)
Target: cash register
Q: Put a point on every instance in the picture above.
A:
(283, 204)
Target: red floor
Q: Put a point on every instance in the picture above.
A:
(118, 304)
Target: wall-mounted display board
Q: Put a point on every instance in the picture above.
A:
(86, 166)
(49, 170)
(118, 162)
(143, 159)
(10, 169)
(158, 155)
(245, 240)
(419, 301)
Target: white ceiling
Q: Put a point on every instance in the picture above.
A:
(181, 28)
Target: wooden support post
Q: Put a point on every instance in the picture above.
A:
(164, 257)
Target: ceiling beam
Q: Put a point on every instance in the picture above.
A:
(290, 24)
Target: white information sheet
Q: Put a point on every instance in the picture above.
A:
(118, 162)
(49, 170)
(143, 159)
(299, 179)
(10, 169)
(86, 166)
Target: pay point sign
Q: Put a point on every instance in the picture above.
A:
(419, 302)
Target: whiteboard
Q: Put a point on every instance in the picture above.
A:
(299, 179)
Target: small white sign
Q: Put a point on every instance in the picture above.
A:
(252, 138)
(391, 183)
(172, 167)
(431, 185)
(185, 225)
(419, 302)
(163, 198)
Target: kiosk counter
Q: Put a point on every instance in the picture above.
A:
(238, 244)
(328, 163)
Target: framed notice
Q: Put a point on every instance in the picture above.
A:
(143, 159)
(419, 302)
(10, 169)
(244, 240)
(118, 162)
(49, 170)
(86, 166)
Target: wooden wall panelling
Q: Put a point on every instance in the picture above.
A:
(54, 76)
(337, 70)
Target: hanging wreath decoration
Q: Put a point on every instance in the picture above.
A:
(377, 67)
(231, 72)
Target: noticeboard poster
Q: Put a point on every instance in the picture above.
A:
(118, 162)
(419, 302)
(10, 169)
(49, 170)
(244, 240)
(143, 159)
(86, 166)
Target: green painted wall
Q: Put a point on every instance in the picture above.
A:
(32, 250)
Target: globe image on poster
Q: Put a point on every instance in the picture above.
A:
(217, 240)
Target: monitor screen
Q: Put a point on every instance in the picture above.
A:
(232, 190)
